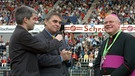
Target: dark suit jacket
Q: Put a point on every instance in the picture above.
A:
(50, 63)
(22, 51)
(121, 54)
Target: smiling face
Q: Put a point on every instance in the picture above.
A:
(111, 24)
(53, 24)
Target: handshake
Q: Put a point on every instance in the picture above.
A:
(66, 54)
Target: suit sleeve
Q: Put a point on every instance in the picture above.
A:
(69, 63)
(46, 60)
(129, 60)
(97, 71)
(34, 45)
(97, 65)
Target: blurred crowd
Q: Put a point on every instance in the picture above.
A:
(125, 9)
(73, 11)
(7, 9)
(4, 53)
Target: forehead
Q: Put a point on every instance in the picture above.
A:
(34, 14)
(55, 17)
(111, 18)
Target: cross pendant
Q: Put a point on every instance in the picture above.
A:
(102, 61)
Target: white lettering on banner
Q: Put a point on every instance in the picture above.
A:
(95, 28)
(5, 29)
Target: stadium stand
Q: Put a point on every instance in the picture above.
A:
(85, 46)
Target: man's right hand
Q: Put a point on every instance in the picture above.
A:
(66, 55)
(59, 37)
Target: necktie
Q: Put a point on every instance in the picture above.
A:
(53, 36)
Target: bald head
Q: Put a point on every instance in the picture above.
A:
(112, 16)
(112, 24)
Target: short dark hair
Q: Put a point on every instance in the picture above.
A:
(22, 12)
(49, 15)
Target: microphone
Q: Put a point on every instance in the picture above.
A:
(58, 32)
(59, 35)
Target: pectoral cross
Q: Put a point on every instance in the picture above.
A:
(102, 61)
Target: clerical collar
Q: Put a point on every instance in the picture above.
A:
(113, 36)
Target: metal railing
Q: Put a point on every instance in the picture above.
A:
(4, 71)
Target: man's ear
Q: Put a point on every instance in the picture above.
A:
(45, 21)
(119, 24)
(25, 20)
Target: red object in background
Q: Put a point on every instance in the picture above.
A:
(74, 56)
(3, 60)
(100, 34)
(130, 28)
(72, 28)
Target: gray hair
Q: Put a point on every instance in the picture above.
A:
(22, 12)
(53, 14)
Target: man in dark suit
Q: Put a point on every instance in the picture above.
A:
(23, 46)
(53, 63)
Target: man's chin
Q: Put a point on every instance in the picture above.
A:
(30, 29)
(108, 31)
